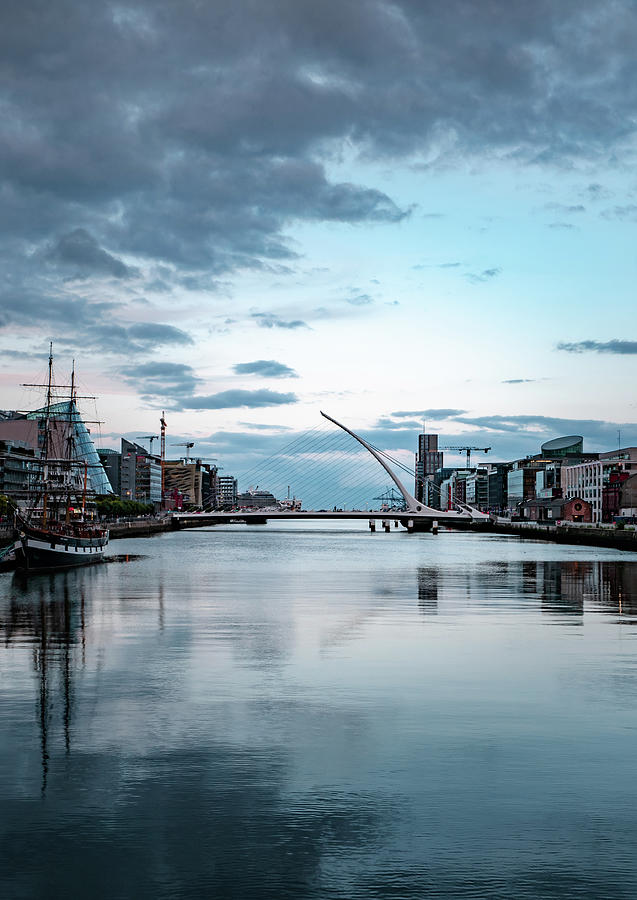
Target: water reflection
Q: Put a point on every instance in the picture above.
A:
(46, 616)
(565, 589)
(290, 728)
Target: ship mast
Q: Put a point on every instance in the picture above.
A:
(69, 443)
(45, 445)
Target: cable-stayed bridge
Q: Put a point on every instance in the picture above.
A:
(335, 473)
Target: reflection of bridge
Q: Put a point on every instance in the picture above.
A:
(416, 516)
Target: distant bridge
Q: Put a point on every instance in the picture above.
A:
(416, 516)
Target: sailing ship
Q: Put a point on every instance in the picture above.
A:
(59, 528)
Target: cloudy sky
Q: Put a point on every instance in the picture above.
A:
(243, 211)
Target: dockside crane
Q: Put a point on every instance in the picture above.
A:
(467, 450)
(162, 449)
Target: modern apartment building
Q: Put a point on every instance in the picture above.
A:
(428, 460)
(588, 479)
(140, 474)
(226, 492)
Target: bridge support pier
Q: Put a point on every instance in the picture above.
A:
(395, 523)
(372, 525)
(434, 526)
(410, 526)
(386, 525)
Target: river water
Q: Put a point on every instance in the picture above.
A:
(319, 712)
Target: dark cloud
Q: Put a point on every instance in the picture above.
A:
(162, 379)
(621, 348)
(595, 191)
(238, 399)
(80, 250)
(434, 413)
(565, 209)
(446, 265)
(174, 385)
(269, 368)
(271, 320)
(155, 334)
(359, 300)
(390, 425)
(484, 275)
(179, 134)
(510, 437)
(541, 428)
(625, 213)
(258, 426)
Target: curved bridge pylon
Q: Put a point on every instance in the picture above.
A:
(413, 506)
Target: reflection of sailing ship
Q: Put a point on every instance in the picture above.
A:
(57, 530)
(54, 625)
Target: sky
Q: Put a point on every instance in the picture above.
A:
(245, 212)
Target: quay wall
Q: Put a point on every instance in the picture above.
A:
(590, 535)
(137, 528)
(595, 536)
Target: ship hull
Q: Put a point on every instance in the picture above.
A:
(38, 551)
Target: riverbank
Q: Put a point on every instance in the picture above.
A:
(583, 535)
(567, 533)
(138, 528)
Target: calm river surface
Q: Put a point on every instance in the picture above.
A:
(304, 712)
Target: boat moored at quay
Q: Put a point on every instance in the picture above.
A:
(57, 525)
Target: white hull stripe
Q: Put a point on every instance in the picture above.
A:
(60, 548)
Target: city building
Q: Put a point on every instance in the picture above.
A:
(184, 477)
(428, 460)
(194, 480)
(453, 488)
(69, 438)
(548, 482)
(477, 488)
(112, 462)
(556, 509)
(140, 474)
(588, 479)
(497, 488)
(17, 469)
(628, 497)
(561, 447)
(521, 483)
(226, 492)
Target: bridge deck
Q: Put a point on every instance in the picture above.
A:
(443, 518)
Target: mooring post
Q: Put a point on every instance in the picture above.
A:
(372, 524)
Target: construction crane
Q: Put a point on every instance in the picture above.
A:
(150, 438)
(162, 449)
(188, 445)
(467, 450)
